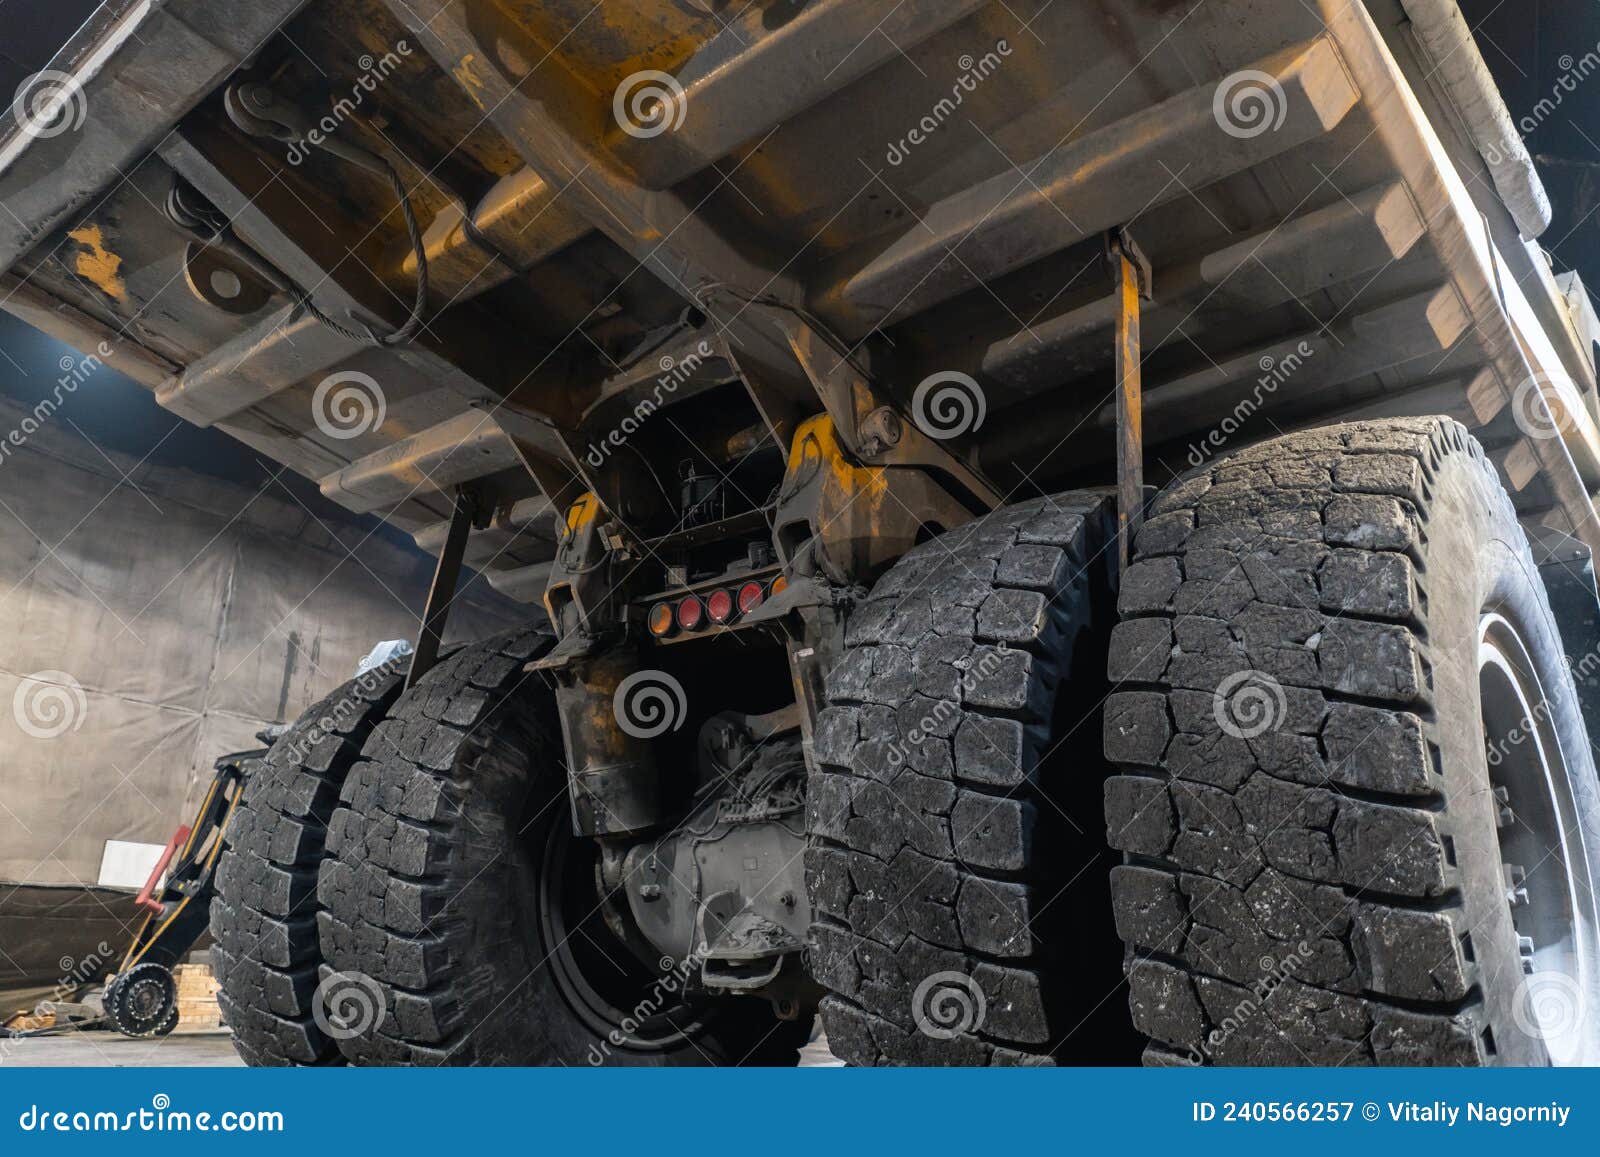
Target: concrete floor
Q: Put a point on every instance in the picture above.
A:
(108, 1049)
(212, 1049)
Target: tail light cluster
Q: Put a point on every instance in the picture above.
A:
(721, 607)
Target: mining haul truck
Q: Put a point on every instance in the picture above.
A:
(1049, 532)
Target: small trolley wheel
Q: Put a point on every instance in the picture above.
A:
(143, 1001)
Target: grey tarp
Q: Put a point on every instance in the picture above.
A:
(191, 612)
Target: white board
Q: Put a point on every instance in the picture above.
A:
(128, 865)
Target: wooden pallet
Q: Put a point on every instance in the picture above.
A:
(197, 997)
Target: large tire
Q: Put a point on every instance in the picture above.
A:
(456, 827)
(1309, 811)
(955, 866)
(263, 917)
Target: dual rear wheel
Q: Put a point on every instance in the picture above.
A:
(1346, 775)
(1337, 785)
(429, 905)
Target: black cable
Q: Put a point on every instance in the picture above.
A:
(420, 302)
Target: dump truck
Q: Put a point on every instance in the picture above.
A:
(1050, 532)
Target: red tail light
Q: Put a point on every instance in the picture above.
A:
(720, 606)
(751, 596)
(691, 614)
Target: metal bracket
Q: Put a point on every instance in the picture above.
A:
(442, 591)
(872, 431)
(1131, 274)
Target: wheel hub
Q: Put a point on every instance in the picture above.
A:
(1543, 864)
(598, 976)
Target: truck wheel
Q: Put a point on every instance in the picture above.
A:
(463, 921)
(1357, 788)
(263, 917)
(961, 912)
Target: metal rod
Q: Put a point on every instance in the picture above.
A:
(442, 591)
(1130, 404)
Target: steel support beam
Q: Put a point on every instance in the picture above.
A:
(1084, 187)
(736, 88)
(443, 590)
(136, 68)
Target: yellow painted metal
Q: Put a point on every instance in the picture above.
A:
(1130, 412)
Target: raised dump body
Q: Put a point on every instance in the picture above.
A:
(924, 185)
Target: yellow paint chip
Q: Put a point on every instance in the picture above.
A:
(97, 264)
(469, 78)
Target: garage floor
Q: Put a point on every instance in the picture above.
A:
(192, 1050)
(99, 1049)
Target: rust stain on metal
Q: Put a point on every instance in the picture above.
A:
(97, 264)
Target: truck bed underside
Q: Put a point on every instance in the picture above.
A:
(829, 190)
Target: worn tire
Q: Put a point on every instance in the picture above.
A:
(1313, 868)
(961, 915)
(263, 917)
(448, 828)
